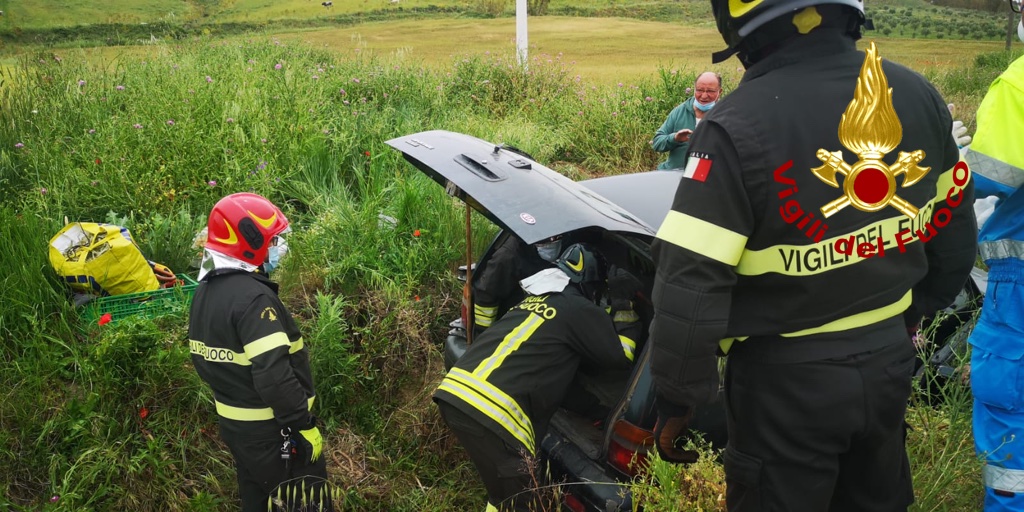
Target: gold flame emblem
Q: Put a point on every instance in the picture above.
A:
(870, 129)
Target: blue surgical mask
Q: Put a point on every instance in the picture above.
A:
(273, 259)
(549, 251)
(703, 107)
(278, 248)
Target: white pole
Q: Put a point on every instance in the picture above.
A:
(522, 41)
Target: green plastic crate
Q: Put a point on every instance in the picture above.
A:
(147, 304)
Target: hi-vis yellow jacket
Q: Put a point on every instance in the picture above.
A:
(514, 376)
(747, 251)
(246, 346)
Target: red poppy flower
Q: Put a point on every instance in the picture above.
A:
(98, 161)
(367, 153)
(143, 413)
(105, 319)
(416, 233)
(416, 298)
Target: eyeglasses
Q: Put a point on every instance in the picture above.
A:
(1015, 6)
(707, 91)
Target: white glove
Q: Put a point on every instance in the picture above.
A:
(960, 133)
(983, 208)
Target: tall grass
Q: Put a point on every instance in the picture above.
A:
(114, 417)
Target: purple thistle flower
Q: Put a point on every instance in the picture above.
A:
(689, 90)
(230, 120)
(343, 92)
(208, 79)
(120, 87)
(277, 66)
(170, 122)
(42, 191)
(212, 183)
(91, 131)
(648, 99)
(81, 83)
(19, 145)
(356, 80)
(137, 126)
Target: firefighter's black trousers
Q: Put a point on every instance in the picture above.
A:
(502, 467)
(819, 435)
(266, 484)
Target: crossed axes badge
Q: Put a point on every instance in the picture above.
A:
(870, 128)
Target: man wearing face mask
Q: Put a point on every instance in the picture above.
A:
(674, 135)
(496, 288)
(996, 159)
(246, 346)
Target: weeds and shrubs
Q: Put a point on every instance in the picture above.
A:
(116, 419)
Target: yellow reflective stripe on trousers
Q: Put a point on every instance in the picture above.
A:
(771, 259)
(702, 237)
(493, 403)
(250, 414)
(1003, 479)
(628, 346)
(490, 508)
(512, 341)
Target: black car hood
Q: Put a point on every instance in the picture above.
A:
(513, 191)
(648, 195)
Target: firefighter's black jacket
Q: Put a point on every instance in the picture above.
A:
(736, 259)
(497, 288)
(246, 346)
(514, 376)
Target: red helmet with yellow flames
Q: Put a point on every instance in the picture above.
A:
(241, 226)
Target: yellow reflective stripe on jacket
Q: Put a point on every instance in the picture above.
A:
(217, 355)
(266, 344)
(250, 414)
(484, 316)
(702, 237)
(628, 346)
(854, 321)
(625, 316)
(512, 341)
(490, 508)
(770, 259)
(860, 319)
(492, 402)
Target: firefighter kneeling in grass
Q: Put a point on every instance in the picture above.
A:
(501, 394)
(246, 346)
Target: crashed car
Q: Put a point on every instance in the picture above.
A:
(620, 215)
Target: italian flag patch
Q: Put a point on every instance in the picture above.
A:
(697, 166)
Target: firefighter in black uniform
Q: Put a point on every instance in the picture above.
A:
(791, 248)
(246, 346)
(501, 394)
(497, 287)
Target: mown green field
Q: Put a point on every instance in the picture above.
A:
(150, 136)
